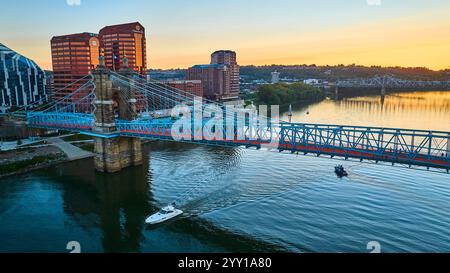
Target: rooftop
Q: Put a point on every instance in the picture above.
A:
(75, 35)
(224, 51)
(4, 48)
(184, 81)
(203, 66)
(125, 27)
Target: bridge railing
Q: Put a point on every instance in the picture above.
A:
(416, 147)
(413, 147)
(61, 121)
(242, 133)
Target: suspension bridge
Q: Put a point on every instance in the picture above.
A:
(121, 108)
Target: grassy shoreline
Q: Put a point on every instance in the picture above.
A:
(23, 164)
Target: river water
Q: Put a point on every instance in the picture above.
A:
(239, 200)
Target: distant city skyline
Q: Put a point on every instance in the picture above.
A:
(181, 33)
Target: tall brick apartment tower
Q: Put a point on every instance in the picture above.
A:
(73, 57)
(229, 59)
(126, 41)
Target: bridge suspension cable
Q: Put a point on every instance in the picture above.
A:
(69, 102)
(43, 102)
(174, 96)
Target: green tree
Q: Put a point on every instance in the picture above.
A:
(282, 93)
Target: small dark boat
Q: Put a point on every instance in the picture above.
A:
(340, 171)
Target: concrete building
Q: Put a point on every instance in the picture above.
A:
(275, 77)
(22, 81)
(311, 81)
(73, 57)
(124, 41)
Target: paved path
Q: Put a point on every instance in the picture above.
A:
(72, 152)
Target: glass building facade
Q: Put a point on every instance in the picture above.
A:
(22, 81)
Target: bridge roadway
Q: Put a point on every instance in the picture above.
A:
(411, 147)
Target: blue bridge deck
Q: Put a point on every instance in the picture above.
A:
(411, 147)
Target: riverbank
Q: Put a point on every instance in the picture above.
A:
(54, 151)
(285, 94)
(36, 167)
(24, 160)
(29, 159)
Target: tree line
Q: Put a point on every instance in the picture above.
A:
(282, 93)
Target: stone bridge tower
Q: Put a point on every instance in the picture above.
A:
(115, 153)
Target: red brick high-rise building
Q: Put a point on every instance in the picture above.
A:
(229, 59)
(126, 40)
(73, 57)
(214, 78)
(220, 79)
(193, 87)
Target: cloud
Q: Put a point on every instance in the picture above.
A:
(373, 2)
(73, 2)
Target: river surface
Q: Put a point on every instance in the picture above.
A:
(239, 200)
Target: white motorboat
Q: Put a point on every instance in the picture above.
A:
(163, 215)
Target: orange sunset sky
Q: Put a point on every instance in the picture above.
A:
(184, 33)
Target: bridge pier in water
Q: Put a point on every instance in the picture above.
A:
(115, 153)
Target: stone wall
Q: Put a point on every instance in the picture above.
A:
(115, 154)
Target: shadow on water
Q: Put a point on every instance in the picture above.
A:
(119, 202)
(230, 241)
(118, 205)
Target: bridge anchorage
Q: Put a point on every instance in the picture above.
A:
(121, 108)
